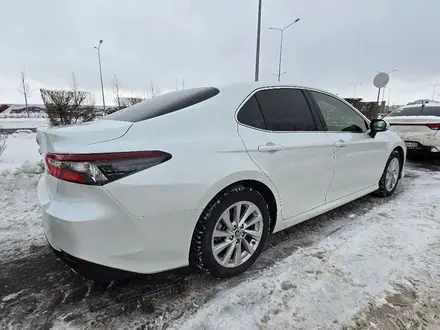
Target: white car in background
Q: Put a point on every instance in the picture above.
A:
(202, 176)
(418, 125)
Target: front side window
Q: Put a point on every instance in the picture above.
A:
(285, 109)
(338, 116)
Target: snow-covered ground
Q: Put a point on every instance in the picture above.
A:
(372, 264)
(20, 123)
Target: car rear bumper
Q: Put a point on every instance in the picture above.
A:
(97, 229)
(413, 146)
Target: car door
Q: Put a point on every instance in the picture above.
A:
(281, 136)
(359, 157)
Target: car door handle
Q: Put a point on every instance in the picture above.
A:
(341, 144)
(270, 148)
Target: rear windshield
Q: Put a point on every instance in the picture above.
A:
(416, 111)
(163, 104)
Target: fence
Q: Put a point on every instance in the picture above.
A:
(23, 115)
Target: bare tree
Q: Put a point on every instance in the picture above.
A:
(129, 101)
(66, 107)
(25, 90)
(180, 83)
(2, 141)
(117, 91)
(153, 91)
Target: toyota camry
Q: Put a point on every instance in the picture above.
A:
(202, 176)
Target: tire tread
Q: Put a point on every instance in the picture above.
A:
(196, 248)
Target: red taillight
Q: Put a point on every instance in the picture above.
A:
(434, 126)
(99, 169)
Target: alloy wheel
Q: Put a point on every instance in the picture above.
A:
(392, 174)
(237, 234)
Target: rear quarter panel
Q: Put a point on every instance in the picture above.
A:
(205, 159)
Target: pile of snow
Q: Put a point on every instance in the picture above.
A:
(23, 122)
(20, 170)
(323, 286)
(20, 149)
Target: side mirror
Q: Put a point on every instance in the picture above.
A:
(377, 125)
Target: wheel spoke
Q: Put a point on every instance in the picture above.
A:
(237, 256)
(221, 233)
(257, 219)
(228, 254)
(226, 221)
(250, 209)
(237, 211)
(220, 247)
(253, 233)
(247, 246)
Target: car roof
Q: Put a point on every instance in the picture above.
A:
(248, 87)
(418, 105)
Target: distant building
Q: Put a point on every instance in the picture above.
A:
(36, 109)
(21, 108)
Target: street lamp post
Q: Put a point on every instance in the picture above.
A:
(433, 92)
(100, 73)
(389, 94)
(383, 93)
(281, 44)
(257, 54)
(354, 89)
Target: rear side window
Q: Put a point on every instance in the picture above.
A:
(285, 109)
(416, 111)
(250, 114)
(163, 104)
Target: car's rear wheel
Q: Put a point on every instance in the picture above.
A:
(391, 175)
(231, 232)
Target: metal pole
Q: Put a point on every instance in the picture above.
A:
(100, 74)
(257, 55)
(377, 102)
(433, 92)
(383, 96)
(354, 89)
(281, 45)
(281, 54)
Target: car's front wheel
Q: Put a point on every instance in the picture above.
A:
(231, 232)
(391, 175)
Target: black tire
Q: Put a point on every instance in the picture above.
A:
(383, 191)
(201, 255)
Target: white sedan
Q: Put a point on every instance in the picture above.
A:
(202, 176)
(418, 125)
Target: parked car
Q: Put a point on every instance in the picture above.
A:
(418, 125)
(202, 176)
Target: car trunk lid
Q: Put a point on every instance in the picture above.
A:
(414, 125)
(62, 140)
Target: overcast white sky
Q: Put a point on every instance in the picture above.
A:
(207, 42)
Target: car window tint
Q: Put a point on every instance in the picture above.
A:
(338, 116)
(250, 114)
(285, 109)
(416, 111)
(163, 104)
